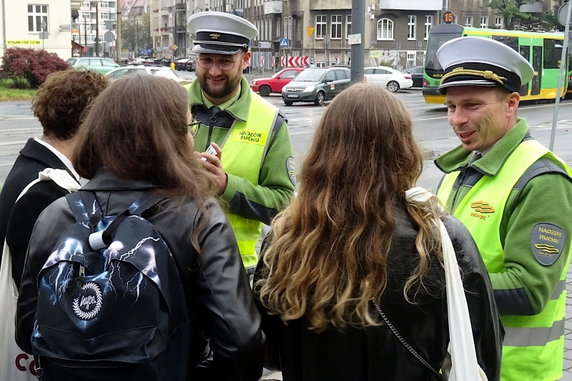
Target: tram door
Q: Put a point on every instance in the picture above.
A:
(525, 52)
(537, 66)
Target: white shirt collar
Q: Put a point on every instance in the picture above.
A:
(60, 156)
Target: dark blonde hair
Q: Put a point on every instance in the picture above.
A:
(61, 100)
(328, 252)
(137, 129)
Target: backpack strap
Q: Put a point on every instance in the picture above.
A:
(101, 239)
(139, 207)
(84, 207)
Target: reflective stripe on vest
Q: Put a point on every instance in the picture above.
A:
(242, 154)
(537, 340)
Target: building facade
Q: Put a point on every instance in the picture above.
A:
(45, 24)
(169, 27)
(395, 31)
(95, 28)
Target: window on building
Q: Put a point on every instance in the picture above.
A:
(348, 25)
(385, 29)
(411, 58)
(411, 23)
(288, 27)
(321, 25)
(336, 27)
(37, 17)
(469, 21)
(498, 22)
(428, 26)
(484, 22)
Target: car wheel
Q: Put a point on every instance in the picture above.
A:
(288, 103)
(393, 86)
(264, 91)
(320, 98)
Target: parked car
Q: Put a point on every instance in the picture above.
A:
(99, 64)
(316, 85)
(388, 77)
(186, 64)
(160, 71)
(274, 84)
(416, 75)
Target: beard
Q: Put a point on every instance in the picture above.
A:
(228, 88)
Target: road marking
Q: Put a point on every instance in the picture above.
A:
(12, 143)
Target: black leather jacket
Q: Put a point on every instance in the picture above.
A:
(374, 353)
(226, 340)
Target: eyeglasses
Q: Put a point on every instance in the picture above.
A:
(194, 127)
(223, 63)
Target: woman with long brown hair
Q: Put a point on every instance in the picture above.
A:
(351, 240)
(135, 146)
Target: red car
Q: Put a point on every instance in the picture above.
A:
(274, 84)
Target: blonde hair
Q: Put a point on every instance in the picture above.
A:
(328, 251)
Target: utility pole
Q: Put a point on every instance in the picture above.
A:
(97, 28)
(358, 27)
(4, 43)
(118, 37)
(84, 31)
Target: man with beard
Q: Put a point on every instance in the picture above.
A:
(514, 196)
(242, 139)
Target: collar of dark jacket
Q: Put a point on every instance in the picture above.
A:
(104, 180)
(35, 151)
(492, 162)
(238, 110)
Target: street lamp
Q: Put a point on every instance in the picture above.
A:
(97, 28)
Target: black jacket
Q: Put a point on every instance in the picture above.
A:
(374, 353)
(17, 221)
(223, 314)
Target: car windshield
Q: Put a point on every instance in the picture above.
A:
(310, 75)
(71, 61)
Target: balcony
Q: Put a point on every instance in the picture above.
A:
(412, 5)
(272, 7)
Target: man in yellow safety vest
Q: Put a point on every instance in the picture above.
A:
(242, 138)
(514, 196)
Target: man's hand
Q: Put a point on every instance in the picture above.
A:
(213, 164)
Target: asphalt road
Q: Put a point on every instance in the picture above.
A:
(17, 124)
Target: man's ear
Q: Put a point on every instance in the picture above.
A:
(512, 102)
(246, 60)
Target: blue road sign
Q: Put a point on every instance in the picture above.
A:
(283, 42)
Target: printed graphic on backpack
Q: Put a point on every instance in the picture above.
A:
(110, 298)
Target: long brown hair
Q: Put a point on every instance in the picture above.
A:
(137, 129)
(328, 252)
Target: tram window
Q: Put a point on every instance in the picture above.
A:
(508, 40)
(552, 53)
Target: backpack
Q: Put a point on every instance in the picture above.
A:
(111, 304)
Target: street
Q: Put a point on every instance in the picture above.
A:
(17, 124)
(433, 133)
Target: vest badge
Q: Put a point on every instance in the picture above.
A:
(481, 209)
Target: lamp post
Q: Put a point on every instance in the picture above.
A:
(118, 37)
(97, 28)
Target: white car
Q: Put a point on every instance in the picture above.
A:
(161, 71)
(388, 77)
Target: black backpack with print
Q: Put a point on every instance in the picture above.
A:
(110, 304)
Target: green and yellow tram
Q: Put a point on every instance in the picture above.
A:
(542, 50)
